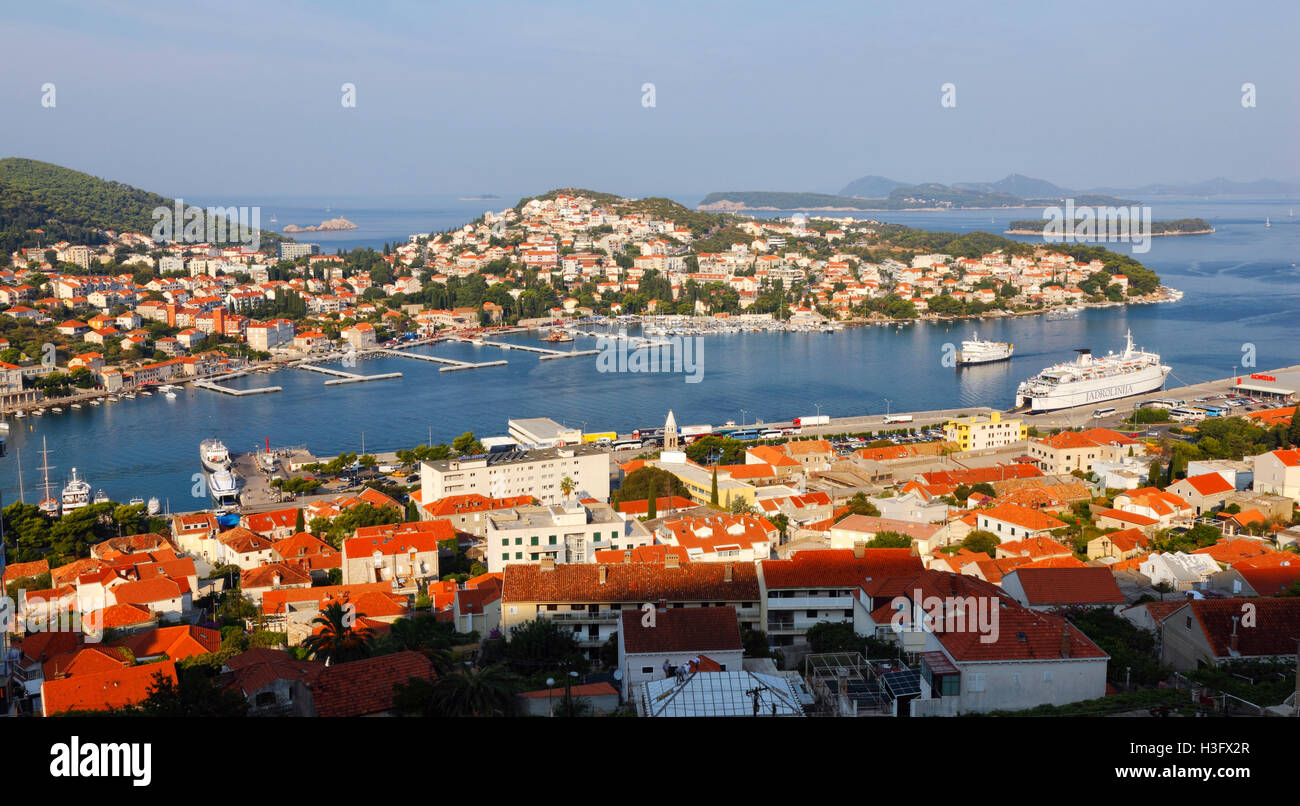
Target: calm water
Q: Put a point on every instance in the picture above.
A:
(1241, 287)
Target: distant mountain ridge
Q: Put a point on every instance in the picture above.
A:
(1028, 187)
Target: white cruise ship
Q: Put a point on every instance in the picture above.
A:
(1092, 379)
(975, 351)
(214, 455)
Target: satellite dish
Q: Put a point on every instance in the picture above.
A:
(618, 674)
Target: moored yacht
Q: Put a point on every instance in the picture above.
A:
(76, 494)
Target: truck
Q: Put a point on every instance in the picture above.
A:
(695, 430)
(821, 419)
(600, 437)
(898, 418)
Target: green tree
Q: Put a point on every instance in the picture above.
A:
(566, 487)
(859, 504)
(1293, 430)
(299, 522)
(890, 540)
(713, 492)
(467, 443)
(981, 540)
(464, 691)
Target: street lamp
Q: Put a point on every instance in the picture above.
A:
(550, 687)
(819, 409)
(886, 407)
(743, 412)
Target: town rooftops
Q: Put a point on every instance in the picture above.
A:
(1275, 631)
(1210, 484)
(363, 687)
(398, 538)
(1032, 519)
(868, 524)
(682, 629)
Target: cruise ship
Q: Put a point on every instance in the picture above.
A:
(975, 351)
(214, 455)
(1092, 379)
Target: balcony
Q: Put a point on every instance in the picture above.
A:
(810, 603)
(583, 616)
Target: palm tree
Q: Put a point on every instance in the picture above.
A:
(566, 486)
(338, 641)
(474, 692)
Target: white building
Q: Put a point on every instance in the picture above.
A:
(571, 532)
(538, 473)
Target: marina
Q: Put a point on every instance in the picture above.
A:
(451, 364)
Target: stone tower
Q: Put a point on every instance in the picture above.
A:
(670, 432)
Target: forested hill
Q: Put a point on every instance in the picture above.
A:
(71, 205)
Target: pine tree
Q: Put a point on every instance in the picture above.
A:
(713, 496)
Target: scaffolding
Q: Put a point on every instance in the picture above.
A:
(847, 684)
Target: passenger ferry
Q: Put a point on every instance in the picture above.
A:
(1093, 380)
(213, 455)
(974, 351)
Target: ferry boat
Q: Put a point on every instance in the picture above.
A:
(213, 454)
(1090, 380)
(975, 351)
(223, 489)
(153, 507)
(136, 502)
(76, 494)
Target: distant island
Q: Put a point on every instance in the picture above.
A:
(1182, 226)
(484, 197)
(325, 226)
(930, 196)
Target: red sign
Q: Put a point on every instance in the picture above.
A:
(1262, 377)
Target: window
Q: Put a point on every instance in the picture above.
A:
(519, 541)
(1047, 676)
(647, 670)
(505, 555)
(519, 555)
(505, 541)
(533, 540)
(552, 540)
(976, 683)
(812, 614)
(950, 685)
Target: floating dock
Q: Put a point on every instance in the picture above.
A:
(348, 377)
(451, 364)
(543, 351)
(226, 390)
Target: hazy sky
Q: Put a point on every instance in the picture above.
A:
(483, 97)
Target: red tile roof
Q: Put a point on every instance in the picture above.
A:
(398, 538)
(682, 629)
(257, 668)
(273, 574)
(21, 570)
(1210, 484)
(1024, 517)
(102, 691)
(838, 568)
(1127, 517)
(1276, 630)
(631, 582)
(1232, 551)
(364, 687)
(1270, 580)
(177, 643)
(1067, 586)
(1035, 548)
(601, 689)
(654, 553)
(148, 591)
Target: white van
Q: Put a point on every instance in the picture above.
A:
(1100, 413)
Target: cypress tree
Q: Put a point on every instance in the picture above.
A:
(652, 510)
(713, 496)
(1293, 433)
(299, 523)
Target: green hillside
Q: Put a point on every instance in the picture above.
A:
(71, 205)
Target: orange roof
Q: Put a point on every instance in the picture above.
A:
(147, 591)
(1127, 517)
(772, 455)
(395, 538)
(654, 553)
(663, 503)
(1231, 552)
(1024, 517)
(31, 569)
(825, 568)
(1035, 548)
(103, 691)
(1210, 484)
(177, 643)
(1067, 586)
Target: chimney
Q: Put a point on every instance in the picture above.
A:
(671, 560)
(627, 555)
(726, 576)
(662, 605)
(1065, 642)
(548, 564)
(859, 549)
(276, 578)
(604, 573)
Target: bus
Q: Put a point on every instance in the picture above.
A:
(1100, 413)
(745, 433)
(1185, 415)
(627, 444)
(647, 433)
(898, 418)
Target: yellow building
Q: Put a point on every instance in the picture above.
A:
(978, 433)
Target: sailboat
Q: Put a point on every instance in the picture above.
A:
(49, 504)
(1266, 222)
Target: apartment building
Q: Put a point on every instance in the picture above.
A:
(982, 432)
(565, 533)
(589, 598)
(538, 473)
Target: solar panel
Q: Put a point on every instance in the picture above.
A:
(903, 684)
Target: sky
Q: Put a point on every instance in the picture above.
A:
(517, 98)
